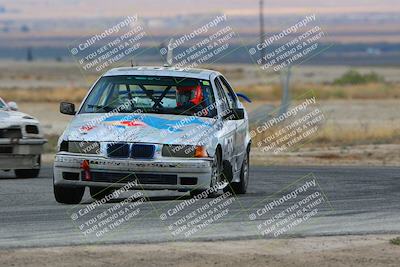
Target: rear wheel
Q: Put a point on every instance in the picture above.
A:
(99, 193)
(241, 187)
(28, 173)
(68, 195)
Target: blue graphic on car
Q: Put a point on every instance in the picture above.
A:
(124, 121)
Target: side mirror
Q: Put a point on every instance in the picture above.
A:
(12, 105)
(67, 108)
(235, 114)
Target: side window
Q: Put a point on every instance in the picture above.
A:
(221, 95)
(230, 95)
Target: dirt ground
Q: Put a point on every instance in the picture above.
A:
(371, 250)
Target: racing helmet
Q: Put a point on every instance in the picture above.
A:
(188, 95)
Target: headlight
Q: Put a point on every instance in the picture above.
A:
(82, 147)
(184, 151)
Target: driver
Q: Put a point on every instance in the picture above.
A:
(189, 96)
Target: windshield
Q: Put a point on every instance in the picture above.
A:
(151, 94)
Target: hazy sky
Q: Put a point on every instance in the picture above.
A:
(114, 8)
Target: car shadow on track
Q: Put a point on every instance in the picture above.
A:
(150, 198)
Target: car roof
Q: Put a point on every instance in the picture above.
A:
(162, 71)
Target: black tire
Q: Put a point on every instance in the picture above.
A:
(216, 171)
(68, 195)
(28, 173)
(241, 187)
(99, 193)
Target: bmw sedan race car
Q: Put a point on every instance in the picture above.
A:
(154, 128)
(21, 141)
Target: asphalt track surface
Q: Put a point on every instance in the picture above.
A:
(356, 200)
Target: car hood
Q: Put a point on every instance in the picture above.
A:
(145, 128)
(10, 118)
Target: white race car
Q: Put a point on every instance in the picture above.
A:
(154, 128)
(21, 141)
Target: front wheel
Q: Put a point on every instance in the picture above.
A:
(216, 174)
(241, 187)
(68, 195)
(28, 173)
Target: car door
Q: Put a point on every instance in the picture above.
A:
(228, 126)
(240, 125)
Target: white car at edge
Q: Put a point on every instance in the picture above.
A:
(21, 141)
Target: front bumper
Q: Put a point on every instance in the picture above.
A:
(139, 171)
(20, 153)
